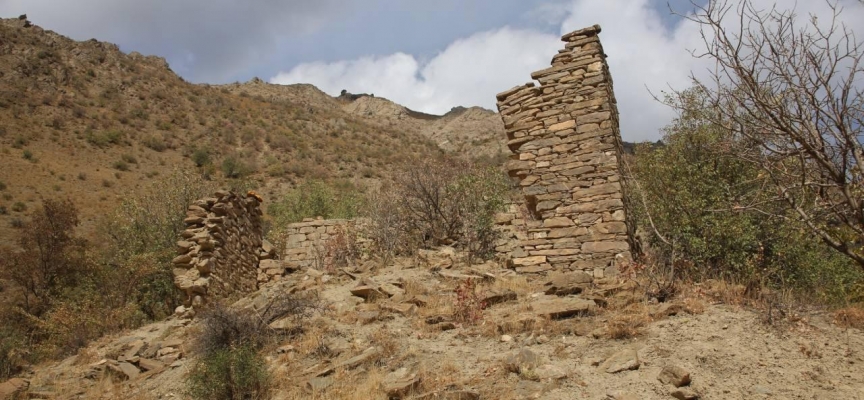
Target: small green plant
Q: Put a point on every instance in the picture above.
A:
(2, 185)
(201, 157)
(234, 167)
(121, 165)
(230, 374)
(128, 158)
(82, 176)
(105, 138)
(107, 183)
(19, 207)
(28, 155)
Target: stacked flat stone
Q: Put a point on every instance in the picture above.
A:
(306, 240)
(220, 248)
(567, 148)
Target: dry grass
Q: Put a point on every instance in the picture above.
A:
(850, 317)
(627, 323)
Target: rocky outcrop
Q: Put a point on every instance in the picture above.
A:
(567, 148)
(219, 252)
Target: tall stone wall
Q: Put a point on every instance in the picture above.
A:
(567, 148)
(220, 248)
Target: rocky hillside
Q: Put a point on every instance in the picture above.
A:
(474, 131)
(86, 121)
(409, 331)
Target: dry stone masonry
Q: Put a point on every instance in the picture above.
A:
(220, 249)
(567, 148)
(306, 241)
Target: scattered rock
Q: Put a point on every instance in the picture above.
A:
(150, 365)
(621, 396)
(506, 338)
(684, 394)
(13, 387)
(496, 298)
(125, 370)
(522, 361)
(549, 372)
(531, 390)
(318, 384)
(624, 360)
(560, 308)
(399, 383)
(451, 395)
(367, 292)
(674, 375)
(401, 308)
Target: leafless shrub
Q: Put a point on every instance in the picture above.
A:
(223, 327)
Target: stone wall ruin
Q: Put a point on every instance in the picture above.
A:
(220, 248)
(567, 148)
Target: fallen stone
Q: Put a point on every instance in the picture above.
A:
(134, 348)
(684, 394)
(550, 372)
(368, 317)
(624, 360)
(563, 284)
(361, 358)
(401, 308)
(391, 289)
(522, 361)
(150, 365)
(496, 298)
(366, 292)
(13, 387)
(674, 375)
(621, 396)
(506, 338)
(561, 308)
(318, 384)
(125, 370)
(457, 275)
(399, 383)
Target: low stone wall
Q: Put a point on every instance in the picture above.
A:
(305, 241)
(220, 248)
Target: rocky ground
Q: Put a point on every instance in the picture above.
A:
(425, 328)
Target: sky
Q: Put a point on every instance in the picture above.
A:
(427, 55)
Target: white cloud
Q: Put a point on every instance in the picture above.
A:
(468, 72)
(645, 55)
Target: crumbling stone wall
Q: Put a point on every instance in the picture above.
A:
(220, 248)
(305, 241)
(567, 148)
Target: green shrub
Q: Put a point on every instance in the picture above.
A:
(121, 165)
(235, 167)
(2, 185)
(155, 142)
(201, 157)
(19, 206)
(104, 138)
(128, 158)
(229, 374)
(714, 214)
(28, 155)
(314, 198)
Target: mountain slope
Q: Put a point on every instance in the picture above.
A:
(86, 121)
